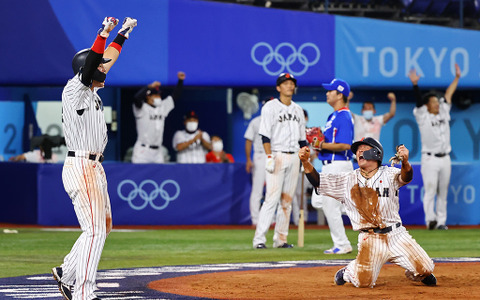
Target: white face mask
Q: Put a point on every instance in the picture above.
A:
(368, 114)
(191, 126)
(157, 101)
(217, 146)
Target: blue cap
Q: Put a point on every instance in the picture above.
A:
(338, 84)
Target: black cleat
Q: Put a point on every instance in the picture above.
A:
(442, 227)
(432, 225)
(261, 246)
(65, 289)
(285, 245)
(430, 280)
(339, 277)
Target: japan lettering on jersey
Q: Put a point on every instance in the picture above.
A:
(283, 125)
(369, 203)
(338, 129)
(83, 120)
(151, 121)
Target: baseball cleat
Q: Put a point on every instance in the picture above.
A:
(432, 225)
(339, 277)
(66, 290)
(336, 250)
(285, 245)
(430, 280)
(442, 227)
(261, 246)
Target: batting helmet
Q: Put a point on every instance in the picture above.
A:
(284, 77)
(376, 153)
(79, 60)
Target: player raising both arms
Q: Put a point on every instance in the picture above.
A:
(83, 176)
(370, 197)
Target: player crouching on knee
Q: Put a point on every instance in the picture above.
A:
(370, 197)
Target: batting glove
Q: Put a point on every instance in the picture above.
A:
(270, 164)
(127, 27)
(107, 25)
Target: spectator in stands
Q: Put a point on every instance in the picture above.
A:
(41, 150)
(368, 124)
(191, 144)
(433, 119)
(217, 155)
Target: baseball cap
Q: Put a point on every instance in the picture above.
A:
(153, 91)
(284, 77)
(338, 84)
(190, 114)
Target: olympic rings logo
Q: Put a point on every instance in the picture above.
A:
(148, 195)
(285, 63)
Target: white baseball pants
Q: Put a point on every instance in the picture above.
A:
(258, 183)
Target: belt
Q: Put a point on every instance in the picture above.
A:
(91, 156)
(151, 146)
(381, 230)
(436, 154)
(288, 152)
(326, 162)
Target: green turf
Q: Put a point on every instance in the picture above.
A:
(35, 251)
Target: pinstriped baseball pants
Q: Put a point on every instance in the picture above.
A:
(85, 182)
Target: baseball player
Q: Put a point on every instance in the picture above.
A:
(43, 155)
(83, 176)
(336, 157)
(150, 111)
(370, 197)
(433, 119)
(191, 144)
(368, 124)
(282, 127)
(257, 166)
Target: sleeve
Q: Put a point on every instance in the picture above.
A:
(177, 139)
(209, 157)
(343, 128)
(420, 113)
(379, 120)
(266, 123)
(140, 97)
(206, 136)
(418, 96)
(169, 105)
(93, 60)
(230, 157)
(249, 134)
(394, 174)
(78, 95)
(177, 92)
(303, 125)
(334, 185)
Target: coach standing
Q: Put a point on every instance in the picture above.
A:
(282, 127)
(433, 119)
(83, 176)
(336, 157)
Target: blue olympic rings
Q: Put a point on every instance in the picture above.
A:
(285, 63)
(148, 198)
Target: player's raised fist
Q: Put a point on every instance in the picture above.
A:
(127, 27)
(181, 75)
(107, 25)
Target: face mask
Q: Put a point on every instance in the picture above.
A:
(368, 114)
(191, 126)
(157, 101)
(217, 146)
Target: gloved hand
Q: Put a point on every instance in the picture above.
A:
(107, 25)
(270, 163)
(127, 26)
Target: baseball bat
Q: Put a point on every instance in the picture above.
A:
(301, 219)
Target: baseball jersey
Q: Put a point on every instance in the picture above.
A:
(434, 129)
(365, 128)
(369, 203)
(252, 134)
(195, 153)
(339, 129)
(151, 121)
(283, 125)
(83, 120)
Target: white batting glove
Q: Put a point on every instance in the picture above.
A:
(127, 26)
(270, 164)
(107, 25)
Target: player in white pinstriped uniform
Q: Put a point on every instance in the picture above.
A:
(150, 111)
(191, 144)
(83, 176)
(282, 127)
(370, 197)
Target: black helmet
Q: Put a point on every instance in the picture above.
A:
(284, 77)
(376, 153)
(79, 60)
